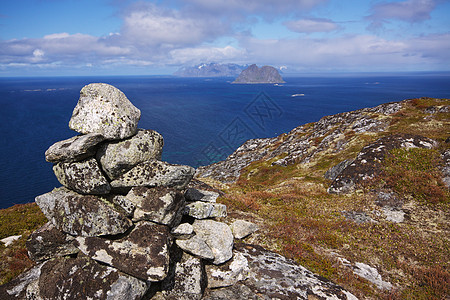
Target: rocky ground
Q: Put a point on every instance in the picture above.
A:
(360, 197)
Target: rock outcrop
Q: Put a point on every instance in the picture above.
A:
(138, 232)
(265, 74)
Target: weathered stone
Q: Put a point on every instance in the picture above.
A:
(48, 242)
(143, 253)
(218, 237)
(74, 149)
(117, 157)
(187, 279)
(367, 272)
(196, 246)
(123, 203)
(159, 204)
(10, 239)
(367, 163)
(104, 109)
(85, 215)
(24, 286)
(193, 194)
(204, 210)
(334, 171)
(272, 276)
(358, 217)
(229, 273)
(241, 228)
(73, 279)
(155, 173)
(84, 177)
(183, 231)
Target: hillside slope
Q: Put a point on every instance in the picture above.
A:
(361, 197)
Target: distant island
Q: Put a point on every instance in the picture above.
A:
(210, 70)
(265, 74)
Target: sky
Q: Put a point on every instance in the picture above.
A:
(125, 37)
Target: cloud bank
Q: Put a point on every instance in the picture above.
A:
(157, 36)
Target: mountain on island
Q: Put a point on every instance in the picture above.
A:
(210, 70)
(265, 74)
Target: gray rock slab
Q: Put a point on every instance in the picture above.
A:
(84, 177)
(143, 253)
(242, 228)
(117, 157)
(159, 204)
(217, 236)
(74, 149)
(155, 173)
(104, 109)
(123, 203)
(196, 246)
(204, 210)
(48, 242)
(229, 273)
(187, 279)
(73, 279)
(183, 231)
(193, 194)
(277, 277)
(85, 215)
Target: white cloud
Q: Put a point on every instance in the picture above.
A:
(147, 24)
(409, 11)
(206, 54)
(353, 52)
(311, 25)
(269, 7)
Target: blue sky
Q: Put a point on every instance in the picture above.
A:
(124, 37)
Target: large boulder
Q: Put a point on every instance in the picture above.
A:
(229, 273)
(143, 253)
(276, 277)
(196, 246)
(368, 163)
(217, 236)
(118, 157)
(74, 149)
(85, 215)
(104, 109)
(155, 173)
(84, 177)
(160, 205)
(74, 279)
(48, 242)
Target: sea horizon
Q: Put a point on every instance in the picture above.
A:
(194, 115)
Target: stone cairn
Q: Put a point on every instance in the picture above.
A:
(117, 225)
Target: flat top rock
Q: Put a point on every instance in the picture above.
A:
(85, 215)
(104, 109)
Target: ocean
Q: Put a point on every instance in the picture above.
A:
(202, 120)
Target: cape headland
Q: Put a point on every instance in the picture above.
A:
(265, 74)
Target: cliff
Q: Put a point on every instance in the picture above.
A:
(265, 74)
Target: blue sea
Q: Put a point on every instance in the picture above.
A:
(202, 120)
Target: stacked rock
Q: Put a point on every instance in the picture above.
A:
(112, 223)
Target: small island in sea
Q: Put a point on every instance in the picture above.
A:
(265, 74)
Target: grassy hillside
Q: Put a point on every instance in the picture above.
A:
(306, 223)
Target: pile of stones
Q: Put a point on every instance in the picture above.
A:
(113, 223)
